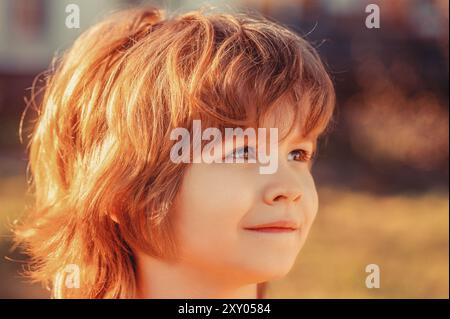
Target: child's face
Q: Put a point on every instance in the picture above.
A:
(218, 202)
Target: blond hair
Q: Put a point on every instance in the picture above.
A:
(101, 142)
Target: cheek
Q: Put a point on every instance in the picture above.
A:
(310, 203)
(209, 207)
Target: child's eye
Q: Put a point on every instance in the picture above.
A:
(300, 155)
(244, 152)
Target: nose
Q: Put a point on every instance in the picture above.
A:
(285, 187)
(279, 193)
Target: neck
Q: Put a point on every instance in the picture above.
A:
(158, 279)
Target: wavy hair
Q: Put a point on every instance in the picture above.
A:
(99, 146)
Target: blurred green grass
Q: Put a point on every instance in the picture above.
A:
(405, 234)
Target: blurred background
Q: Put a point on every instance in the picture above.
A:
(382, 174)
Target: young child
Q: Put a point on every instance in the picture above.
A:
(114, 213)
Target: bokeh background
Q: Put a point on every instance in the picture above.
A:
(382, 174)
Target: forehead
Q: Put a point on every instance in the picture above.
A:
(290, 121)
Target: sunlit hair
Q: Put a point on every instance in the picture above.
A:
(100, 145)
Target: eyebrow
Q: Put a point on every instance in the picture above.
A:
(298, 139)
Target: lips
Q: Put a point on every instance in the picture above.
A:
(275, 227)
